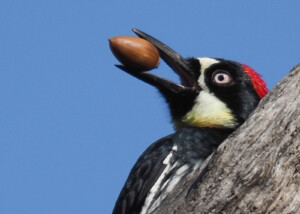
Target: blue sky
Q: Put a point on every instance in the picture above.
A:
(72, 125)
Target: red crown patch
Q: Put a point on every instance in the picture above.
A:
(259, 85)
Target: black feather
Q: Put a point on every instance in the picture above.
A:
(193, 143)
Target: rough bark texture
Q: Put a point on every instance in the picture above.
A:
(255, 170)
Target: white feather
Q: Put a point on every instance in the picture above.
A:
(156, 187)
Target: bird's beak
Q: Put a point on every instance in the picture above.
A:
(181, 66)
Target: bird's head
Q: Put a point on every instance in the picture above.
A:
(213, 93)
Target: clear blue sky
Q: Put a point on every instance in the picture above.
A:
(72, 125)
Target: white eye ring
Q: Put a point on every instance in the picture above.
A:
(222, 78)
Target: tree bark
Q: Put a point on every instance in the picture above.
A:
(255, 170)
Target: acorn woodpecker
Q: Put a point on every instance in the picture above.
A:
(215, 97)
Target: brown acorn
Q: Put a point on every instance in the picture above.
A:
(135, 52)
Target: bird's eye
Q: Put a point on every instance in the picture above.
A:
(221, 78)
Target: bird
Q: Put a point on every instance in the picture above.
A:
(215, 97)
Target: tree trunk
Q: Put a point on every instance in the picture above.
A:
(255, 170)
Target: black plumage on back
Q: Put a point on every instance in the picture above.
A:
(194, 145)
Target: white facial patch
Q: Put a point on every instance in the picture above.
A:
(209, 111)
(205, 64)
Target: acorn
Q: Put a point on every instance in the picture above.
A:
(135, 53)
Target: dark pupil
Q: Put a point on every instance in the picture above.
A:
(221, 77)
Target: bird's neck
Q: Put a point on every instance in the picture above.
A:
(199, 135)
